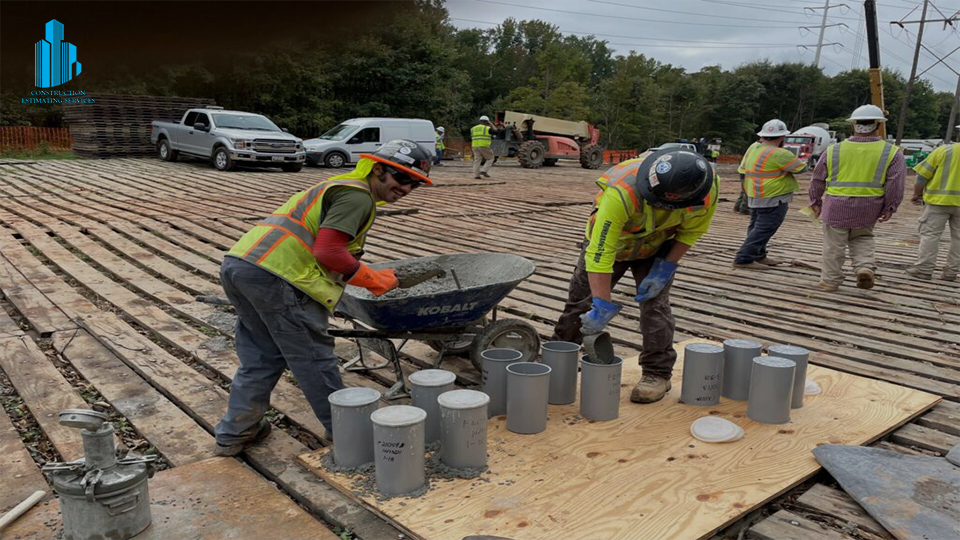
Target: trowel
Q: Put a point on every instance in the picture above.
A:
(416, 278)
(599, 348)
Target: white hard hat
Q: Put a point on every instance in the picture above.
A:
(484, 118)
(867, 112)
(773, 129)
(440, 129)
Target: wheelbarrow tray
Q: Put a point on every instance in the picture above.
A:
(485, 279)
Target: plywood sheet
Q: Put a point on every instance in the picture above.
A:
(215, 499)
(643, 476)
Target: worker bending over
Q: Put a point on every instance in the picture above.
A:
(648, 213)
(863, 179)
(938, 186)
(285, 276)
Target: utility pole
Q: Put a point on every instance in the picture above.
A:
(873, 48)
(823, 29)
(951, 124)
(913, 73)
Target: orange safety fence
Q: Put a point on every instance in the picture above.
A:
(617, 156)
(29, 137)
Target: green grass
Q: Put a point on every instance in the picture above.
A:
(43, 152)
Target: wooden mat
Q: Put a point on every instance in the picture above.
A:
(642, 476)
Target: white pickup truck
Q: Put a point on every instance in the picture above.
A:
(228, 138)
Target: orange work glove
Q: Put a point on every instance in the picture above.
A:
(375, 281)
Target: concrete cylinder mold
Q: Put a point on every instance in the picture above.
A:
(463, 429)
(738, 355)
(398, 435)
(561, 356)
(702, 374)
(425, 387)
(802, 357)
(528, 391)
(600, 389)
(495, 362)
(771, 390)
(353, 440)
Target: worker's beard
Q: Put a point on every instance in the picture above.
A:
(865, 128)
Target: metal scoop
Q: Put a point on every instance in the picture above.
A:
(599, 348)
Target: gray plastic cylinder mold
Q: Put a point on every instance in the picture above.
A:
(702, 374)
(771, 390)
(425, 387)
(463, 429)
(738, 355)
(528, 391)
(495, 362)
(398, 435)
(561, 356)
(802, 357)
(353, 440)
(600, 389)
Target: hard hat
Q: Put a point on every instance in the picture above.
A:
(484, 118)
(441, 130)
(773, 129)
(674, 179)
(867, 113)
(404, 157)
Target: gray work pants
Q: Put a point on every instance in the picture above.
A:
(278, 326)
(934, 219)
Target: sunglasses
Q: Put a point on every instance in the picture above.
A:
(404, 179)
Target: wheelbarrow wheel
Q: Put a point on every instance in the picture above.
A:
(461, 346)
(508, 334)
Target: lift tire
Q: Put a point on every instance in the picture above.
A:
(530, 155)
(506, 333)
(591, 156)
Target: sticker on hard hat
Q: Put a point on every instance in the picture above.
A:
(701, 165)
(653, 180)
(667, 157)
(404, 150)
(663, 167)
(404, 158)
(406, 144)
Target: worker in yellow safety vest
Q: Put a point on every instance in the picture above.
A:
(648, 213)
(769, 184)
(440, 146)
(481, 136)
(855, 185)
(285, 276)
(938, 187)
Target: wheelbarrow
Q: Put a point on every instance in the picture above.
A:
(453, 314)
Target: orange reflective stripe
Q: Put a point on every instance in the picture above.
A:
(764, 157)
(789, 166)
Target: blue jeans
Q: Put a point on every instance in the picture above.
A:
(439, 156)
(764, 223)
(278, 326)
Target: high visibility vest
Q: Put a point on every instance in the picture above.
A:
(480, 135)
(858, 169)
(282, 243)
(767, 171)
(943, 179)
(440, 145)
(647, 226)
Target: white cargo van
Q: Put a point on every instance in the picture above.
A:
(342, 144)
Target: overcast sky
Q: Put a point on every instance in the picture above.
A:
(698, 33)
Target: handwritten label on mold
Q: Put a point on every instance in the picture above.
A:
(389, 450)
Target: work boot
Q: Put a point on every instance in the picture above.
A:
(756, 265)
(917, 273)
(263, 429)
(866, 279)
(485, 175)
(828, 287)
(767, 261)
(650, 388)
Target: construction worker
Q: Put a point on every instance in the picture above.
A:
(285, 276)
(480, 137)
(769, 184)
(648, 213)
(938, 187)
(440, 146)
(863, 179)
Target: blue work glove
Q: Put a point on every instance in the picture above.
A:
(595, 320)
(660, 274)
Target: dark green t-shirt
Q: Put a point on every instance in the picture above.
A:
(346, 210)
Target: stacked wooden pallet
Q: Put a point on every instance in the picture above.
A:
(119, 125)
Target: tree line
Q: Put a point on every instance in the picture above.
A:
(412, 62)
